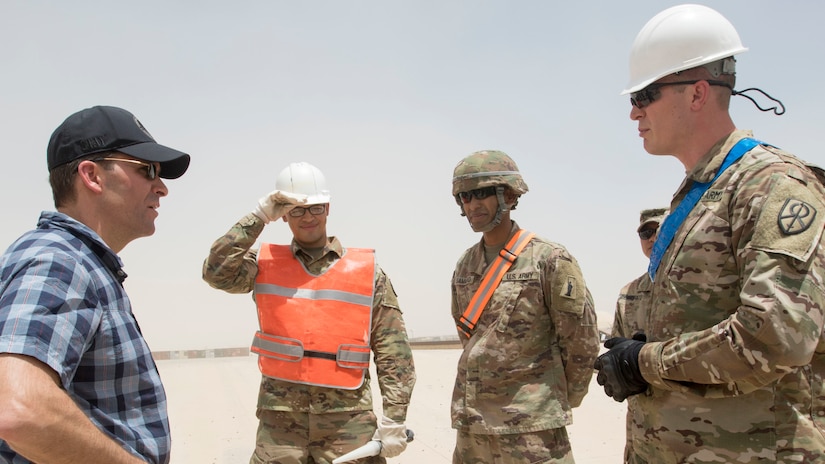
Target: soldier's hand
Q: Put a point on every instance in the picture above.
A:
(276, 204)
(619, 368)
(393, 437)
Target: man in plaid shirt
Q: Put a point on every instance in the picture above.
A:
(77, 380)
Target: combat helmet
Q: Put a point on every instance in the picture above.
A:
(488, 168)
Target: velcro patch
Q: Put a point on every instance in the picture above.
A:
(568, 287)
(520, 275)
(463, 280)
(569, 290)
(795, 217)
(713, 195)
(790, 222)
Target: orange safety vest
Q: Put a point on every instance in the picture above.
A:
(315, 329)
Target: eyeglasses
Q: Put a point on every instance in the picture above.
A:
(645, 234)
(149, 172)
(651, 93)
(479, 194)
(314, 210)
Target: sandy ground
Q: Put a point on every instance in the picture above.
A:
(212, 412)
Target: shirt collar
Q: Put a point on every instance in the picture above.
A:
(333, 246)
(706, 168)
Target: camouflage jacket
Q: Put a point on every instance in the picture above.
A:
(737, 356)
(631, 308)
(530, 359)
(232, 266)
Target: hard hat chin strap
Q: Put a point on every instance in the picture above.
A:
(779, 111)
(728, 66)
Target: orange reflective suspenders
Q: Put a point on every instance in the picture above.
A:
(492, 277)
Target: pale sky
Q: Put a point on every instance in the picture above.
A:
(385, 97)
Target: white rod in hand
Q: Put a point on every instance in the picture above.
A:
(372, 448)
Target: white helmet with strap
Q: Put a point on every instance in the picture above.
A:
(305, 179)
(679, 38)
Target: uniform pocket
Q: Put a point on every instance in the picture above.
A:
(704, 253)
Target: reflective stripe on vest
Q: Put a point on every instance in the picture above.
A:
(314, 330)
(506, 256)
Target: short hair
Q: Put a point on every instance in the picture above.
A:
(62, 179)
(702, 72)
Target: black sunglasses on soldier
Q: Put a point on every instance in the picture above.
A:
(651, 93)
(478, 194)
(648, 232)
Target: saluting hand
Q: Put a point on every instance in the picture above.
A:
(276, 204)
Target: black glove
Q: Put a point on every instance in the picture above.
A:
(619, 368)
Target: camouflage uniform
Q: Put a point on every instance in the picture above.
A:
(346, 414)
(632, 308)
(628, 320)
(631, 313)
(530, 359)
(736, 353)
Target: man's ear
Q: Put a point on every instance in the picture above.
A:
(701, 93)
(510, 196)
(89, 174)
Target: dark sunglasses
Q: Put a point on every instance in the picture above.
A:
(479, 194)
(645, 234)
(314, 210)
(651, 93)
(149, 168)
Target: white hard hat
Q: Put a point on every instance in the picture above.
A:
(305, 179)
(679, 38)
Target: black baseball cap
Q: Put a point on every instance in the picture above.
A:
(102, 129)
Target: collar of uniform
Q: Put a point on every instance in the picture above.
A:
(333, 246)
(479, 249)
(706, 168)
(513, 229)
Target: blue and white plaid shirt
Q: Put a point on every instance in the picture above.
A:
(61, 304)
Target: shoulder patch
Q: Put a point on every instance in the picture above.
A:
(790, 222)
(795, 217)
(568, 290)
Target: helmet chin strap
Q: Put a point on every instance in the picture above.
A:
(502, 208)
